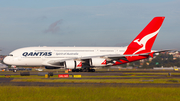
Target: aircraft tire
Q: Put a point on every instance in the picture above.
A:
(73, 70)
(77, 70)
(14, 70)
(92, 70)
(81, 70)
(84, 70)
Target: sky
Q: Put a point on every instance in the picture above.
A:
(111, 23)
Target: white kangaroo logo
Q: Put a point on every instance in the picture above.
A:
(144, 40)
(137, 41)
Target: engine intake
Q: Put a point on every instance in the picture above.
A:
(71, 64)
(98, 62)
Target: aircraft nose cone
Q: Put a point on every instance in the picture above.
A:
(6, 60)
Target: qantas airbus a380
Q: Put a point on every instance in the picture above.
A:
(84, 58)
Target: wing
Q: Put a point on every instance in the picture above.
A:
(110, 58)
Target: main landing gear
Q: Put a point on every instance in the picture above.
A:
(83, 70)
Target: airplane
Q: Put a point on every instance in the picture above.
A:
(84, 59)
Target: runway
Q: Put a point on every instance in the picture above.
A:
(7, 82)
(97, 75)
(111, 74)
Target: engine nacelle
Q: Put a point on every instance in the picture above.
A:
(49, 67)
(71, 64)
(98, 62)
(78, 64)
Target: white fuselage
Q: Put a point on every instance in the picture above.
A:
(38, 56)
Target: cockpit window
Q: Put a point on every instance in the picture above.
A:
(10, 55)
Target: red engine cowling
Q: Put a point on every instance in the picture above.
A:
(98, 62)
(71, 64)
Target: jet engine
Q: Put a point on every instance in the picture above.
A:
(71, 64)
(98, 62)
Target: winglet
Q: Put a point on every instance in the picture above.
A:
(144, 41)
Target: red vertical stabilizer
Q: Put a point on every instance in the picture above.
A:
(144, 41)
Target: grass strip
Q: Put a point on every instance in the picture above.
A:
(152, 73)
(88, 93)
(56, 76)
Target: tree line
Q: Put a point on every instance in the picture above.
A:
(163, 59)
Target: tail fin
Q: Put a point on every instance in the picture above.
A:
(144, 41)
